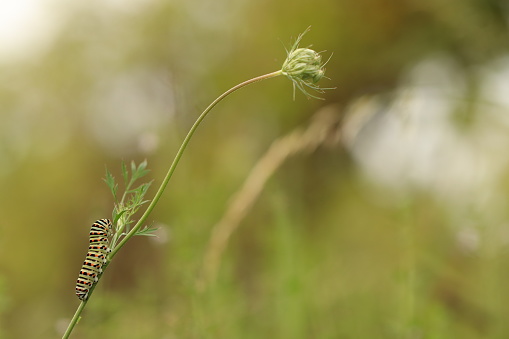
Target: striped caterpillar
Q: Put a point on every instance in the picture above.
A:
(96, 257)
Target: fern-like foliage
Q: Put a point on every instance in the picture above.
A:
(129, 202)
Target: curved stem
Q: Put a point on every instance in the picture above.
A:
(163, 185)
(176, 160)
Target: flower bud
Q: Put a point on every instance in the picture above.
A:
(303, 64)
(304, 67)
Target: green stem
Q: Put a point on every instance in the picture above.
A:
(161, 189)
(176, 160)
(74, 319)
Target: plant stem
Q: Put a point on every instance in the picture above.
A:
(163, 185)
(176, 160)
(74, 319)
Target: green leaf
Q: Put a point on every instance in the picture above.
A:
(110, 181)
(147, 231)
(133, 169)
(118, 216)
(140, 171)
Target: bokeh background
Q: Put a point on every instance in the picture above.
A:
(394, 225)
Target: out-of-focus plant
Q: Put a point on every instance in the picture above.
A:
(303, 66)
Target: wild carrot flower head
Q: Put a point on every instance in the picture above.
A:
(304, 67)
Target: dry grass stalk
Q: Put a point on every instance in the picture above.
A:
(323, 130)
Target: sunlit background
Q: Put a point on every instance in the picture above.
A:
(395, 224)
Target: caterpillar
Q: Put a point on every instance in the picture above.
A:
(96, 257)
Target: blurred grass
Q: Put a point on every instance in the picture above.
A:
(324, 253)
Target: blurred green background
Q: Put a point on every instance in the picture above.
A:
(396, 229)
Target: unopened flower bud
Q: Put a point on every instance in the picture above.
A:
(303, 64)
(304, 67)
